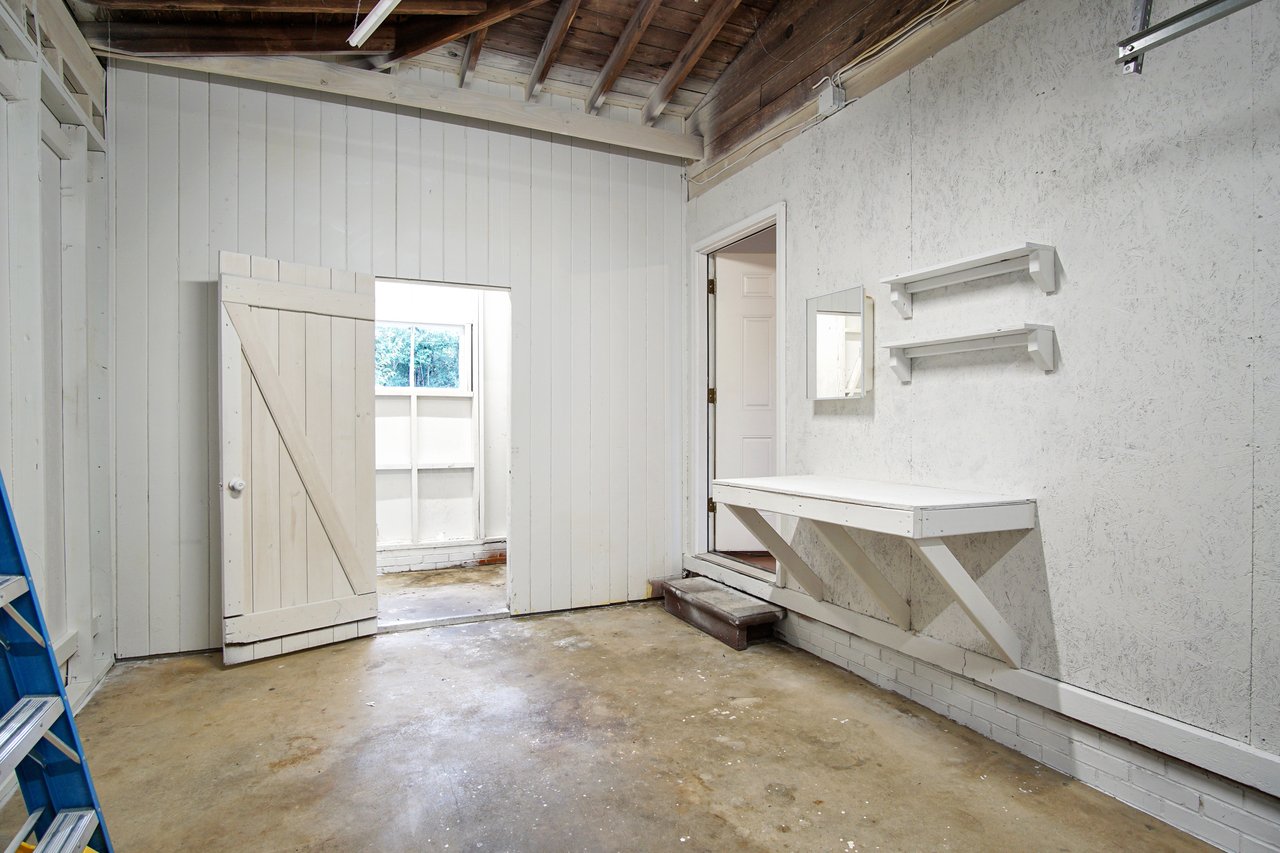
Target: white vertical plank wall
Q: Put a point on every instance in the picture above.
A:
(55, 375)
(587, 237)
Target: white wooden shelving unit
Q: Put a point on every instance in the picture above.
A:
(1036, 339)
(1036, 259)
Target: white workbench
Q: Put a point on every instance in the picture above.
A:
(919, 514)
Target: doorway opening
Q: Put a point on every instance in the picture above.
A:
(743, 407)
(442, 430)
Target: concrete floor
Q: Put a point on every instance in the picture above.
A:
(429, 599)
(610, 729)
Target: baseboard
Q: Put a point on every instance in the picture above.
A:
(1222, 756)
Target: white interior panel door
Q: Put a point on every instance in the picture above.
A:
(746, 394)
(297, 464)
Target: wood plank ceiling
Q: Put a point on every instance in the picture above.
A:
(729, 71)
(577, 45)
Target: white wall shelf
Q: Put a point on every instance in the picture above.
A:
(1036, 259)
(1038, 341)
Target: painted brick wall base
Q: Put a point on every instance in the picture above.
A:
(446, 555)
(1217, 810)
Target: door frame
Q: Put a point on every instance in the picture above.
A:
(697, 530)
(477, 367)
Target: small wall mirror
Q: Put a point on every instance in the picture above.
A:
(840, 354)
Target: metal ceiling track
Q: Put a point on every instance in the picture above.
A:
(1136, 46)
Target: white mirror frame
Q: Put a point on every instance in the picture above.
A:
(868, 348)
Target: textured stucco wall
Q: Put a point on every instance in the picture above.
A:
(1154, 576)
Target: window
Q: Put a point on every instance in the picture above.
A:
(419, 356)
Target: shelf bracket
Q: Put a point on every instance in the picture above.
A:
(1040, 343)
(900, 365)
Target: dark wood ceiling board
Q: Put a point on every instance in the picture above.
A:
(739, 30)
(499, 66)
(667, 35)
(220, 30)
(418, 36)
(248, 46)
(345, 7)
(784, 89)
(565, 18)
(645, 59)
(781, 38)
(471, 55)
(622, 51)
(718, 11)
(852, 40)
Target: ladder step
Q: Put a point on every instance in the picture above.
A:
(12, 586)
(22, 728)
(70, 832)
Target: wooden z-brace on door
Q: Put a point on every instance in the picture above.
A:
(297, 465)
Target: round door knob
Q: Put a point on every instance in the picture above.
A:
(236, 486)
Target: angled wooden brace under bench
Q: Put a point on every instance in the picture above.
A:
(920, 514)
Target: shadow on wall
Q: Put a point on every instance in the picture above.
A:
(859, 406)
(1011, 560)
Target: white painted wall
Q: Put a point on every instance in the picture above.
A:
(588, 238)
(1154, 575)
(495, 403)
(55, 378)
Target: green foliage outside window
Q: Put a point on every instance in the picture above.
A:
(417, 356)
(435, 358)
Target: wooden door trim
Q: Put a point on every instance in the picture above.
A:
(697, 483)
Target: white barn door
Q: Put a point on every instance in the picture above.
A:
(297, 466)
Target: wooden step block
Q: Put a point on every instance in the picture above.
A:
(730, 616)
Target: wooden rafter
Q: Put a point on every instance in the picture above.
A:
(471, 55)
(714, 19)
(166, 39)
(551, 46)
(622, 51)
(330, 7)
(415, 37)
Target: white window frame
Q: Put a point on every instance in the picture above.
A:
(466, 362)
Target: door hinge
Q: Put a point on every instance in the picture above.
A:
(711, 286)
(711, 396)
(711, 505)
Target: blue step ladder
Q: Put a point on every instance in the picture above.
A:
(38, 737)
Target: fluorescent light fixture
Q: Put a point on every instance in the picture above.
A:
(372, 21)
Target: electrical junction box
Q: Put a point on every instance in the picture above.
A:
(830, 98)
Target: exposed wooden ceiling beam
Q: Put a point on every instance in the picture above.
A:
(471, 55)
(712, 22)
(166, 39)
(336, 7)
(415, 37)
(622, 51)
(551, 46)
(316, 76)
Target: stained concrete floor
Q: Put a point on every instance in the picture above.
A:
(427, 599)
(610, 729)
